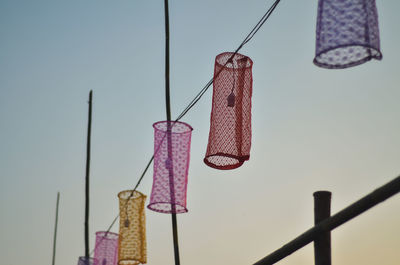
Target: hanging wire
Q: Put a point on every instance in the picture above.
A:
(199, 95)
(256, 28)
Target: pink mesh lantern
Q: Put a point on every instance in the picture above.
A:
(106, 248)
(347, 33)
(171, 165)
(229, 140)
(87, 261)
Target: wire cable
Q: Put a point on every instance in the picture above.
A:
(199, 95)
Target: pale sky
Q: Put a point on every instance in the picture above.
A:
(313, 129)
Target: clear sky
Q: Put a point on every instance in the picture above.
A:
(313, 129)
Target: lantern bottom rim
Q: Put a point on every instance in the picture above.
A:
(166, 207)
(131, 262)
(239, 160)
(362, 54)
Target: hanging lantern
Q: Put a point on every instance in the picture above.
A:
(132, 229)
(229, 140)
(106, 248)
(87, 261)
(347, 33)
(171, 166)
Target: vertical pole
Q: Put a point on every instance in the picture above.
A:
(322, 242)
(55, 231)
(167, 94)
(87, 177)
(168, 112)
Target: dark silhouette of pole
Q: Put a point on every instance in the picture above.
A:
(377, 196)
(55, 231)
(169, 140)
(322, 243)
(89, 131)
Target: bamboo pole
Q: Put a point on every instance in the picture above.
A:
(377, 196)
(169, 140)
(87, 176)
(55, 231)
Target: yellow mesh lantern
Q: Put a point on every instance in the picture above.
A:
(132, 229)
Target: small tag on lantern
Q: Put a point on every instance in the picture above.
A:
(104, 262)
(168, 163)
(231, 100)
(126, 223)
(243, 60)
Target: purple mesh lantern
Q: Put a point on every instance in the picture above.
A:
(87, 261)
(106, 248)
(347, 33)
(171, 165)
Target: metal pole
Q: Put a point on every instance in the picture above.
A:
(87, 176)
(379, 195)
(55, 231)
(322, 243)
(169, 140)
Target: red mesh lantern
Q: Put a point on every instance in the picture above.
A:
(229, 140)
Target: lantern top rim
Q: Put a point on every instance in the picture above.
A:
(222, 61)
(107, 235)
(87, 260)
(182, 127)
(126, 194)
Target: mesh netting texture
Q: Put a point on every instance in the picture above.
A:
(171, 166)
(347, 33)
(87, 261)
(106, 248)
(132, 228)
(229, 140)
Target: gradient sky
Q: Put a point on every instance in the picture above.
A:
(313, 129)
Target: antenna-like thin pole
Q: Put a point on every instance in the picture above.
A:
(87, 177)
(55, 231)
(169, 140)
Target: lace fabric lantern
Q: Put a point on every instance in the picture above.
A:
(171, 166)
(347, 33)
(106, 248)
(132, 229)
(87, 261)
(229, 140)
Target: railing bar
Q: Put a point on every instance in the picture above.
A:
(367, 202)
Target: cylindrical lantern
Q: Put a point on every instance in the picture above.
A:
(347, 33)
(132, 229)
(106, 248)
(229, 140)
(171, 166)
(87, 261)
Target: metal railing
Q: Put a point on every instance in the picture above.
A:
(322, 229)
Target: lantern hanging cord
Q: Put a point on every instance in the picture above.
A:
(199, 95)
(249, 36)
(134, 189)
